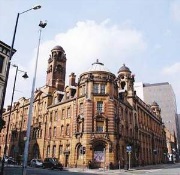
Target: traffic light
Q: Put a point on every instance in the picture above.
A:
(2, 123)
(84, 150)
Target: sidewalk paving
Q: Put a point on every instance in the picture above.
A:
(121, 171)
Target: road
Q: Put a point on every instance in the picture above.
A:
(164, 169)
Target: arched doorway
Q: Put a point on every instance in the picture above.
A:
(99, 157)
(12, 151)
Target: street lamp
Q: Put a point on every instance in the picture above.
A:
(9, 116)
(41, 25)
(10, 56)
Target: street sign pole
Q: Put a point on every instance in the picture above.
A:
(128, 150)
(129, 160)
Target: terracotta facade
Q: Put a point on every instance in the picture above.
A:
(97, 121)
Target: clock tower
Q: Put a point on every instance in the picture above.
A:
(56, 70)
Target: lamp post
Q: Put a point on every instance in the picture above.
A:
(9, 116)
(41, 25)
(10, 56)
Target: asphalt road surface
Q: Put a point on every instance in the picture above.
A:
(164, 169)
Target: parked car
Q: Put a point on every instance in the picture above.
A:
(36, 163)
(52, 163)
(9, 160)
(12, 161)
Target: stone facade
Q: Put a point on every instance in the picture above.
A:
(91, 122)
(4, 60)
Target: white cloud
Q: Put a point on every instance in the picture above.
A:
(88, 41)
(84, 43)
(173, 69)
(175, 10)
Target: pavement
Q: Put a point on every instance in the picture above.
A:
(122, 171)
(102, 170)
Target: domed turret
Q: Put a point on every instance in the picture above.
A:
(124, 69)
(156, 109)
(59, 48)
(97, 66)
(125, 83)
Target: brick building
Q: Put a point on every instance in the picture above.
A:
(90, 121)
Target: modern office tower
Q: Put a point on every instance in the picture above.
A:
(178, 130)
(163, 95)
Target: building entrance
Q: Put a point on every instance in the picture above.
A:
(99, 155)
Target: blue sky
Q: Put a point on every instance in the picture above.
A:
(143, 34)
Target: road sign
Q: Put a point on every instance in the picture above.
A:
(128, 148)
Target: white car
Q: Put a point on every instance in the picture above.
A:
(36, 163)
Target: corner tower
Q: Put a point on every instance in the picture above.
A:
(125, 82)
(56, 70)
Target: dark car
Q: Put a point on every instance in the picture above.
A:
(52, 163)
(36, 163)
(11, 161)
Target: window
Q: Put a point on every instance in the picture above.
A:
(99, 126)
(54, 151)
(1, 63)
(67, 129)
(102, 89)
(50, 119)
(63, 113)
(99, 88)
(50, 132)
(62, 130)
(56, 116)
(100, 106)
(96, 88)
(54, 132)
(48, 151)
(60, 149)
(81, 108)
(69, 112)
(79, 152)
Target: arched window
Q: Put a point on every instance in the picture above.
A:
(48, 151)
(67, 129)
(54, 151)
(60, 150)
(79, 152)
(50, 132)
(54, 132)
(62, 129)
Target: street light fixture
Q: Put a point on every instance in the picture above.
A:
(9, 116)
(10, 56)
(41, 25)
